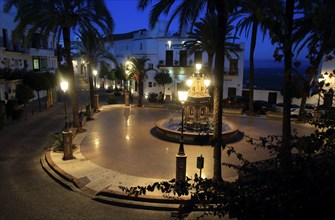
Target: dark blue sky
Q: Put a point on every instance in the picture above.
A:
(127, 18)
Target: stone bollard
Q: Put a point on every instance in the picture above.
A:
(67, 145)
(126, 98)
(96, 102)
(88, 112)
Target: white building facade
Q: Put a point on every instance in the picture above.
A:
(39, 56)
(166, 53)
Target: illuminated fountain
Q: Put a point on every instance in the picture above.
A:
(198, 121)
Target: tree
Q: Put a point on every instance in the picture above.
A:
(281, 32)
(58, 18)
(24, 93)
(252, 15)
(138, 72)
(38, 82)
(205, 39)
(120, 73)
(91, 48)
(188, 15)
(316, 31)
(163, 78)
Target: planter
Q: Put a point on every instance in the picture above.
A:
(237, 111)
(152, 99)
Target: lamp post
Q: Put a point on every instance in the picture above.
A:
(127, 90)
(181, 156)
(64, 85)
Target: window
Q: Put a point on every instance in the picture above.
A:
(231, 91)
(36, 63)
(169, 58)
(272, 98)
(183, 58)
(150, 84)
(151, 65)
(44, 63)
(141, 46)
(4, 38)
(198, 56)
(16, 63)
(233, 67)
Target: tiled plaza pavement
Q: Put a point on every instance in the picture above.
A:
(119, 149)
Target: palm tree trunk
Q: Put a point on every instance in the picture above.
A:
(70, 74)
(210, 61)
(252, 68)
(210, 68)
(218, 92)
(140, 93)
(90, 82)
(285, 154)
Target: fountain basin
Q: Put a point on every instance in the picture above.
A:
(167, 130)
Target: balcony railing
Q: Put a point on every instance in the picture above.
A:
(162, 63)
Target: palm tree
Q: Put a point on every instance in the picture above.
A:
(59, 17)
(205, 39)
(163, 78)
(252, 13)
(280, 27)
(120, 74)
(90, 48)
(138, 72)
(317, 31)
(188, 14)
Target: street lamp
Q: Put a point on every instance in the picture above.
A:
(95, 72)
(181, 156)
(127, 89)
(198, 67)
(207, 82)
(128, 83)
(64, 85)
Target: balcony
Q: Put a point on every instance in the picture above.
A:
(176, 63)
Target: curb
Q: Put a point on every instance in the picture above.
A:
(107, 196)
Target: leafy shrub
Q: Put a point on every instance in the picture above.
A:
(57, 141)
(13, 109)
(111, 99)
(17, 114)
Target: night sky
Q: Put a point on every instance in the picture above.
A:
(127, 18)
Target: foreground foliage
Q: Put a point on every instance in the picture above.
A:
(265, 189)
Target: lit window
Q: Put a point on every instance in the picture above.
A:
(233, 67)
(36, 64)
